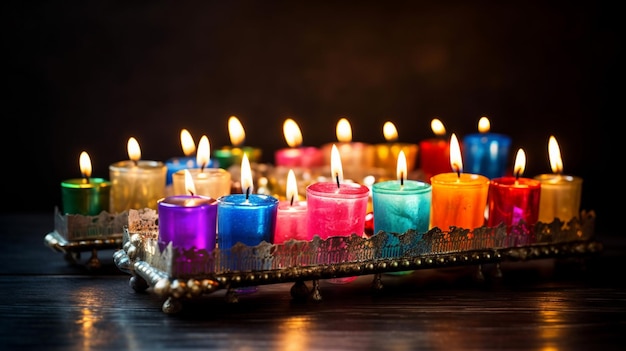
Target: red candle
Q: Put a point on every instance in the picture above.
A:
(513, 199)
(434, 153)
(297, 155)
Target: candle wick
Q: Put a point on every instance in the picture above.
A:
(292, 198)
(135, 162)
(517, 174)
(458, 173)
(85, 179)
(337, 177)
(247, 193)
(202, 167)
(401, 178)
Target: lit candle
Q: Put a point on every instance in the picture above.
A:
(176, 164)
(336, 208)
(87, 196)
(387, 154)
(458, 199)
(560, 194)
(513, 199)
(188, 221)
(357, 157)
(247, 218)
(135, 183)
(434, 154)
(486, 153)
(401, 205)
(212, 182)
(227, 156)
(291, 215)
(297, 155)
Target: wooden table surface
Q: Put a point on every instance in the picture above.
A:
(548, 304)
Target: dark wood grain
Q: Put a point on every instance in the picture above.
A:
(544, 304)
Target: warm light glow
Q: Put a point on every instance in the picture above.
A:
(336, 169)
(186, 141)
(390, 132)
(134, 152)
(292, 133)
(437, 126)
(555, 155)
(484, 125)
(401, 167)
(190, 187)
(85, 164)
(292, 188)
(344, 131)
(246, 175)
(520, 163)
(236, 131)
(456, 162)
(204, 152)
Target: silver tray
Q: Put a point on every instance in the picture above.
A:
(177, 275)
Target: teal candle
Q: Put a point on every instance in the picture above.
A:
(401, 207)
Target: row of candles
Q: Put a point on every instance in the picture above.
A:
(199, 207)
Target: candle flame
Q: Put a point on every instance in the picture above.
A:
(520, 163)
(190, 187)
(134, 151)
(456, 162)
(204, 152)
(246, 176)
(292, 187)
(555, 155)
(336, 169)
(344, 131)
(401, 167)
(390, 132)
(187, 143)
(292, 133)
(437, 126)
(85, 164)
(484, 125)
(236, 131)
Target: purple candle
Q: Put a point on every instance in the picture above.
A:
(188, 221)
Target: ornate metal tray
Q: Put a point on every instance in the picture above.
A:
(178, 275)
(75, 234)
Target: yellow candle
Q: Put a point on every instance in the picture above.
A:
(136, 184)
(458, 199)
(560, 194)
(386, 154)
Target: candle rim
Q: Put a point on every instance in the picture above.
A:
(79, 183)
(393, 187)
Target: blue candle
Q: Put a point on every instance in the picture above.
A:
(176, 164)
(247, 218)
(188, 221)
(486, 153)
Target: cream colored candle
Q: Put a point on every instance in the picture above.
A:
(212, 182)
(136, 184)
(458, 199)
(560, 194)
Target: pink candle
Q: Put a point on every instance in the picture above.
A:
(336, 208)
(291, 215)
(297, 155)
(514, 199)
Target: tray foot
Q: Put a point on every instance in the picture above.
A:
(172, 306)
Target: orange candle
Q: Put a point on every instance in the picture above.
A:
(458, 199)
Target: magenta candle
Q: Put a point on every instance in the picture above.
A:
(336, 210)
(291, 215)
(302, 156)
(512, 200)
(188, 221)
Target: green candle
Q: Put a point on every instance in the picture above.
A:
(86, 196)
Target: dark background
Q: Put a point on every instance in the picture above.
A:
(87, 75)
